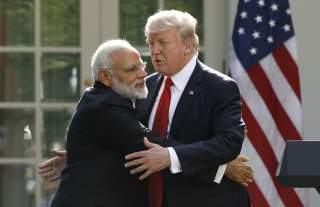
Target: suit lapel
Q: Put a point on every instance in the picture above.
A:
(190, 93)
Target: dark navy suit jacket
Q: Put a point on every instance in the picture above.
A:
(208, 121)
(103, 130)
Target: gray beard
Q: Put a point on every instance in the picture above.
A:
(129, 92)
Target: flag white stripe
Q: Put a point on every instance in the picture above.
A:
(292, 48)
(257, 106)
(302, 194)
(261, 175)
(283, 91)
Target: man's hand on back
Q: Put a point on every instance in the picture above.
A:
(154, 159)
(51, 169)
(239, 171)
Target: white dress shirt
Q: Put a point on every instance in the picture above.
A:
(180, 81)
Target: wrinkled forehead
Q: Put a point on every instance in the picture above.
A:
(124, 57)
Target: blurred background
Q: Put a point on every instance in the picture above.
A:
(45, 49)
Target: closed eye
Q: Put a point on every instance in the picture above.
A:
(137, 67)
(133, 68)
(164, 43)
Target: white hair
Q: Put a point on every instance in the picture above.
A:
(166, 19)
(100, 58)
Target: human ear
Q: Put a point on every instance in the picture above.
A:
(105, 77)
(189, 47)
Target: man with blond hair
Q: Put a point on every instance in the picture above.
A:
(203, 111)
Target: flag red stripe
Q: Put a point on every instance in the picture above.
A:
(259, 140)
(256, 196)
(262, 146)
(281, 118)
(288, 67)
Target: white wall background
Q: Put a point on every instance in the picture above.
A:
(306, 18)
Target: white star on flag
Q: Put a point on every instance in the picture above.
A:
(256, 35)
(288, 11)
(272, 23)
(286, 28)
(261, 3)
(274, 7)
(270, 39)
(241, 30)
(243, 14)
(258, 19)
(253, 51)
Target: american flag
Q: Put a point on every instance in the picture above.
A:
(263, 61)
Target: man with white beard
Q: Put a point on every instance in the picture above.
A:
(103, 129)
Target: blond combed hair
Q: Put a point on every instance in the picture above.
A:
(184, 22)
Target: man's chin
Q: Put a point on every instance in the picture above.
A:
(163, 70)
(130, 92)
(141, 95)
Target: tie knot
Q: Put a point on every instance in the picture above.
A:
(168, 83)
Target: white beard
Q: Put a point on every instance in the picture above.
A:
(127, 91)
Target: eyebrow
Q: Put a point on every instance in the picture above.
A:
(134, 65)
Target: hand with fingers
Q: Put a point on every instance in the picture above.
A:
(51, 169)
(239, 171)
(154, 159)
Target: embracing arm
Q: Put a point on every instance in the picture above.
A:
(127, 132)
(123, 132)
(202, 157)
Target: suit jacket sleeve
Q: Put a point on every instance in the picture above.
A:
(126, 132)
(202, 158)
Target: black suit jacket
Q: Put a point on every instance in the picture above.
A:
(208, 121)
(103, 130)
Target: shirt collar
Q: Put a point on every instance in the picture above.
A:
(181, 78)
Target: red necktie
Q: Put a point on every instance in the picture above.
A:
(160, 125)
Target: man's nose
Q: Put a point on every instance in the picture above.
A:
(142, 72)
(155, 49)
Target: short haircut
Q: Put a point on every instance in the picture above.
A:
(166, 19)
(100, 58)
